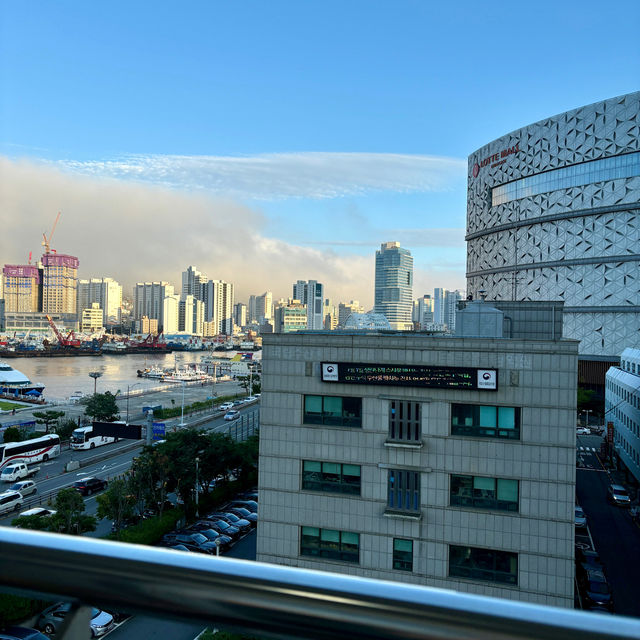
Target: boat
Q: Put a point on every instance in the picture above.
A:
(14, 383)
(187, 375)
(114, 348)
(152, 372)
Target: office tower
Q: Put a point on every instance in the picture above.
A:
(289, 316)
(171, 314)
(252, 315)
(240, 314)
(438, 305)
(21, 288)
(394, 285)
(311, 293)
(422, 314)
(345, 309)
(264, 307)
(219, 309)
(148, 300)
(59, 283)
(92, 319)
(106, 292)
(330, 315)
(438, 461)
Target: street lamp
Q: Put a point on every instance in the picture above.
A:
(130, 386)
(197, 488)
(182, 424)
(95, 375)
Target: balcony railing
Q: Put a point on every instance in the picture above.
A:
(266, 600)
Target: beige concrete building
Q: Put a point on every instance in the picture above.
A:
(442, 461)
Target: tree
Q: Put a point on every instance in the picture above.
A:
(116, 503)
(70, 517)
(13, 434)
(66, 428)
(47, 418)
(102, 407)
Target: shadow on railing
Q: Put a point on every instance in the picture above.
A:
(273, 601)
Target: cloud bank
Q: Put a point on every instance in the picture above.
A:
(284, 175)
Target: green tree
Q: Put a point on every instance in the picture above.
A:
(13, 434)
(102, 407)
(150, 476)
(39, 523)
(70, 517)
(116, 503)
(47, 418)
(66, 428)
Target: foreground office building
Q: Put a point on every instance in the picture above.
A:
(553, 214)
(441, 461)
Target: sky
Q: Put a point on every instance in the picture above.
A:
(267, 142)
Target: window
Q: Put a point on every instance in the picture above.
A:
(485, 421)
(328, 543)
(403, 554)
(331, 477)
(333, 411)
(500, 494)
(403, 490)
(404, 421)
(483, 564)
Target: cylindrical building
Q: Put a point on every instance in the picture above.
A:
(553, 214)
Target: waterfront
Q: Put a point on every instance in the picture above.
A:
(62, 376)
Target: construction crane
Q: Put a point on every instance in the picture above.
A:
(69, 341)
(46, 243)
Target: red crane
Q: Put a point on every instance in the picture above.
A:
(69, 341)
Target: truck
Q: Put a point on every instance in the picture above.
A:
(17, 471)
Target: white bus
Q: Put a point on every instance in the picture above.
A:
(30, 451)
(83, 438)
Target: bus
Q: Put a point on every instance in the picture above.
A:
(30, 451)
(83, 438)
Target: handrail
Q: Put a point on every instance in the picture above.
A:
(275, 601)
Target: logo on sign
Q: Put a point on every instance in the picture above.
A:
(329, 372)
(487, 379)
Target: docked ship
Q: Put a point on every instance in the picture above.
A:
(15, 384)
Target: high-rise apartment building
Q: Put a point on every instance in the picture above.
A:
(106, 292)
(148, 300)
(240, 314)
(171, 313)
(59, 283)
(330, 315)
(422, 314)
(22, 292)
(264, 307)
(440, 461)
(193, 283)
(451, 299)
(394, 285)
(251, 310)
(191, 314)
(311, 294)
(219, 309)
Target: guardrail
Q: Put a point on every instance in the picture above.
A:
(275, 601)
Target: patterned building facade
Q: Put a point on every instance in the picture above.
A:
(552, 214)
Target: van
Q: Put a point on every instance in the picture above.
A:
(10, 501)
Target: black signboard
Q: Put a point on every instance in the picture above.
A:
(118, 430)
(411, 375)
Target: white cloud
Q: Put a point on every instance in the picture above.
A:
(284, 175)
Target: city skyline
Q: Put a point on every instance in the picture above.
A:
(262, 137)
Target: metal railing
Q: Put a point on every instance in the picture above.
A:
(274, 601)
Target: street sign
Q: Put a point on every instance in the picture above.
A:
(159, 430)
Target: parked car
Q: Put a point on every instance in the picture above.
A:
(234, 414)
(10, 501)
(249, 505)
(213, 535)
(583, 431)
(87, 486)
(232, 519)
(580, 519)
(588, 559)
(617, 494)
(241, 512)
(38, 511)
(225, 406)
(192, 540)
(21, 633)
(25, 487)
(595, 589)
(51, 620)
(221, 526)
(250, 399)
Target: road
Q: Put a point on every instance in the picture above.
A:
(614, 535)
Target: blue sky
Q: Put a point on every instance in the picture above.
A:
(307, 132)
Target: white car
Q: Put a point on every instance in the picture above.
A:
(232, 415)
(226, 406)
(38, 511)
(25, 487)
(580, 518)
(250, 399)
(10, 501)
(583, 431)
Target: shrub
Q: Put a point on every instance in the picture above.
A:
(149, 531)
(15, 609)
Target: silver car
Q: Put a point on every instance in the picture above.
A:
(51, 620)
(25, 487)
